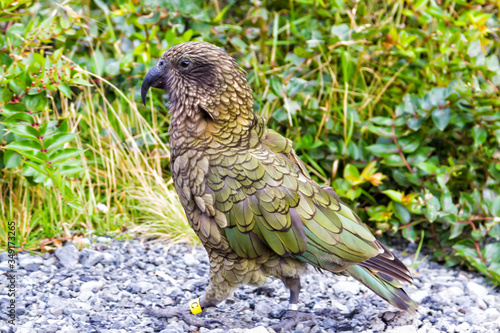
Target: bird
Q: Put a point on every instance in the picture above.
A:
(249, 197)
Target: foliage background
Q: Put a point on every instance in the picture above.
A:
(394, 103)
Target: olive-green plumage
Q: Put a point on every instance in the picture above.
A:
(248, 196)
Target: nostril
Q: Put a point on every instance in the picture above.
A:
(161, 63)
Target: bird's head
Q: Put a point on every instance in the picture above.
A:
(200, 77)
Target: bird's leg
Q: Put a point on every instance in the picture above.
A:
(218, 290)
(187, 312)
(292, 316)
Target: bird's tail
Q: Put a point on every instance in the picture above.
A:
(382, 274)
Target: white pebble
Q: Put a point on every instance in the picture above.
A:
(477, 290)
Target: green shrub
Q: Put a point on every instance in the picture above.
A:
(395, 104)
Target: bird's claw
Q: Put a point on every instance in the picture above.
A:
(185, 315)
(291, 319)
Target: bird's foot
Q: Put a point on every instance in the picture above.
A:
(291, 319)
(183, 314)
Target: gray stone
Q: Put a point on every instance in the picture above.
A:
(475, 316)
(263, 308)
(56, 301)
(101, 239)
(463, 328)
(477, 290)
(4, 266)
(190, 260)
(90, 257)
(451, 292)
(27, 260)
(419, 295)
(492, 314)
(352, 287)
(481, 304)
(108, 259)
(401, 329)
(4, 256)
(92, 285)
(258, 329)
(57, 311)
(68, 255)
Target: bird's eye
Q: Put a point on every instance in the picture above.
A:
(161, 63)
(184, 63)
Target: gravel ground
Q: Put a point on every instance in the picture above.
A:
(98, 290)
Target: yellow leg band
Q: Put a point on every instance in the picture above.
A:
(194, 306)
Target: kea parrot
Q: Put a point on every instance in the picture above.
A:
(248, 196)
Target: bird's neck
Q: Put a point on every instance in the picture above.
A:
(197, 129)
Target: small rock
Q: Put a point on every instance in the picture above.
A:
(89, 258)
(481, 304)
(492, 314)
(190, 260)
(68, 255)
(419, 295)
(87, 289)
(28, 259)
(451, 293)
(463, 328)
(55, 301)
(340, 307)
(475, 316)
(491, 300)
(101, 239)
(85, 295)
(107, 259)
(388, 316)
(57, 311)
(92, 286)
(258, 329)
(477, 290)
(31, 267)
(346, 287)
(4, 266)
(263, 308)
(140, 287)
(401, 329)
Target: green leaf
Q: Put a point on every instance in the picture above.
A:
(63, 155)
(494, 207)
(81, 82)
(479, 134)
(380, 149)
(447, 203)
(409, 233)
(394, 195)
(492, 252)
(402, 213)
(432, 209)
(14, 107)
(456, 230)
(441, 117)
(63, 87)
(415, 123)
(25, 131)
(11, 159)
(351, 173)
(19, 116)
(26, 145)
(428, 167)
(58, 140)
(36, 102)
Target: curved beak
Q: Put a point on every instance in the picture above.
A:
(152, 79)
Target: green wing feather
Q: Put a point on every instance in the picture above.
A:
(265, 192)
(271, 203)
